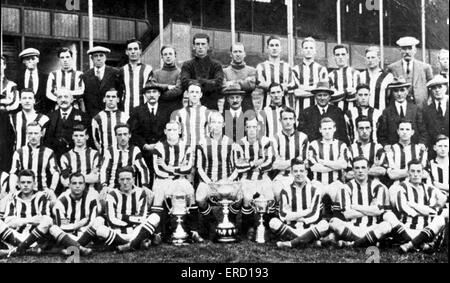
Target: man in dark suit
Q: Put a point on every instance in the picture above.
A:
(32, 78)
(6, 141)
(58, 135)
(415, 72)
(309, 119)
(236, 115)
(147, 123)
(98, 80)
(435, 115)
(400, 109)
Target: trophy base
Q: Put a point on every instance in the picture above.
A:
(226, 235)
(179, 242)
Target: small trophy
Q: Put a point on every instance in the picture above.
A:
(179, 209)
(226, 194)
(261, 206)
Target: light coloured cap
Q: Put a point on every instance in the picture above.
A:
(407, 41)
(98, 49)
(437, 80)
(399, 82)
(29, 52)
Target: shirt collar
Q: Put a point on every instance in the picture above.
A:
(150, 107)
(236, 112)
(320, 108)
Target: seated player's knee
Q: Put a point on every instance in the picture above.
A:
(153, 219)
(323, 227)
(202, 193)
(438, 223)
(390, 218)
(98, 222)
(275, 224)
(3, 226)
(383, 228)
(55, 231)
(336, 225)
(45, 222)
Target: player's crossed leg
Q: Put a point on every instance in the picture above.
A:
(297, 238)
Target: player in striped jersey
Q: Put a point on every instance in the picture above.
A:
(20, 120)
(253, 157)
(403, 152)
(27, 219)
(362, 108)
(9, 95)
(133, 76)
(307, 74)
(438, 167)
(214, 164)
(194, 117)
(328, 158)
(67, 78)
(376, 78)
(40, 159)
(344, 79)
(104, 122)
(416, 205)
(288, 144)
(120, 156)
(363, 202)
(76, 209)
(81, 158)
(300, 220)
(274, 70)
(173, 160)
(4, 184)
(368, 149)
(272, 111)
(129, 225)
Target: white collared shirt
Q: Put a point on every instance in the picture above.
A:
(403, 104)
(102, 72)
(154, 107)
(322, 108)
(35, 79)
(236, 113)
(443, 105)
(67, 113)
(405, 65)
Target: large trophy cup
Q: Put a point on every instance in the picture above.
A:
(179, 209)
(261, 206)
(225, 194)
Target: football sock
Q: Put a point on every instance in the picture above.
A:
(400, 234)
(7, 236)
(114, 239)
(146, 231)
(369, 239)
(425, 236)
(348, 235)
(311, 235)
(64, 240)
(87, 236)
(248, 218)
(191, 219)
(34, 236)
(286, 232)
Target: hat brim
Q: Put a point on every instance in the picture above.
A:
(151, 87)
(28, 55)
(317, 90)
(399, 86)
(437, 83)
(228, 93)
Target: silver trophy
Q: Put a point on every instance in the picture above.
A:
(261, 206)
(179, 208)
(225, 194)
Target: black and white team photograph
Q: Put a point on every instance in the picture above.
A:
(224, 131)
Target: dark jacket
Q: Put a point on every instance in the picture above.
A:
(58, 135)
(434, 124)
(6, 141)
(146, 129)
(43, 104)
(210, 75)
(389, 120)
(309, 122)
(95, 90)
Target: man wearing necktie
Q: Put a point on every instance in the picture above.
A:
(235, 116)
(400, 109)
(33, 79)
(98, 81)
(66, 77)
(435, 115)
(58, 135)
(415, 72)
(309, 119)
(147, 123)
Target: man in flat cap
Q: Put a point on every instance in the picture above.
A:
(435, 115)
(98, 81)
(33, 79)
(415, 72)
